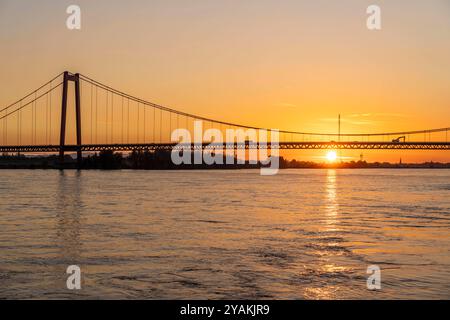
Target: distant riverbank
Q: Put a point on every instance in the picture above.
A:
(161, 161)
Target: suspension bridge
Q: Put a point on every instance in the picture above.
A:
(109, 119)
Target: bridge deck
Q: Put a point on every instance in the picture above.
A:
(281, 145)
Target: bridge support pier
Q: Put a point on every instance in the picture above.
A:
(76, 79)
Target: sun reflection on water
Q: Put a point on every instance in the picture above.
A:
(328, 271)
(331, 201)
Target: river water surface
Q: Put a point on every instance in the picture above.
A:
(302, 234)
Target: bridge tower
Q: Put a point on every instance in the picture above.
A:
(75, 78)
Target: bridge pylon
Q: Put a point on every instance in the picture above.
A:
(75, 78)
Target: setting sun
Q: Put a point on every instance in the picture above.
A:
(331, 156)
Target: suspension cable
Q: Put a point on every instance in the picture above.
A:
(160, 107)
(31, 93)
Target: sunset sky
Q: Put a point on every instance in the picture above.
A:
(289, 64)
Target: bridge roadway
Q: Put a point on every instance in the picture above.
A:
(280, 145)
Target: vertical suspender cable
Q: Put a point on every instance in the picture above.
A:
(128, 120)
(154, 124)
(17, 130)
(138, 107)
(106, 129)
(96, 114)
(145, 107)
(45, 120)
(92, 103)
(20, 123)
(50, 116)
(112, 118)
(122, 122)
(32, 123)
(35, 119)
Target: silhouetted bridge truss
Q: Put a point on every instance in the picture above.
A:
(109, 119)
(216, 146)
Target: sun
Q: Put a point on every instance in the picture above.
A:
(331, 156)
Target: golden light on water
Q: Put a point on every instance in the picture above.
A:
(332, 205)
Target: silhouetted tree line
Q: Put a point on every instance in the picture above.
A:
(149, 160)
(161, 160)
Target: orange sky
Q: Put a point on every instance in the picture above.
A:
(293, 65)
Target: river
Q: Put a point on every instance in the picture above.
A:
(225, 234)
